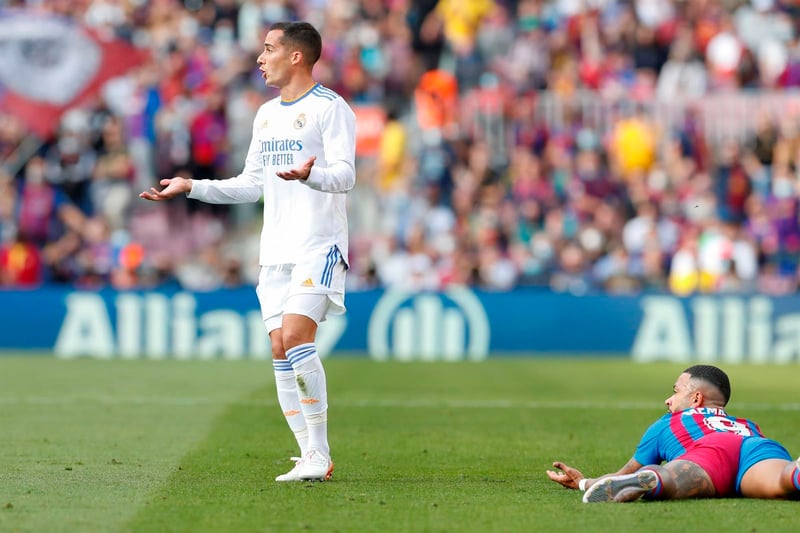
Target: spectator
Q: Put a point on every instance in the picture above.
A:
(20, 264)
(683, 76)
(556, 144)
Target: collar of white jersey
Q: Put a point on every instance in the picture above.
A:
(309, 91)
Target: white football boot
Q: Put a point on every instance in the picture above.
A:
(294, 473)
(624, 488)
(315, 466)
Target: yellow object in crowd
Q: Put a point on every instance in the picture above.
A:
(392, 154)
(462, 18)
(633, 146)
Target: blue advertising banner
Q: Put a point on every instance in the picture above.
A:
(458, 324)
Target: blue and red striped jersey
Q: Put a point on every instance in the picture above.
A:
(672, 434)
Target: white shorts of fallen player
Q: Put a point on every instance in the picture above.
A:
(314, 289)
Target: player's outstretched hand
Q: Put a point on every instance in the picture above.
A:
(568, 477)
(172, 187)
(300, 173)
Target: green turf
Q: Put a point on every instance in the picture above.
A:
(193, 446)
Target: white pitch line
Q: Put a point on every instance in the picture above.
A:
(195, 401)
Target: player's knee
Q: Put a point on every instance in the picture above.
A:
(277, 351)
(276, 341)
(292, 338)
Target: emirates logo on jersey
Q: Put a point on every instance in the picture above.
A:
(300, 121)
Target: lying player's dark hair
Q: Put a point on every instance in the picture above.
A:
(714, 376)
(303, 36)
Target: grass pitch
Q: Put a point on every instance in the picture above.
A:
(91, 445)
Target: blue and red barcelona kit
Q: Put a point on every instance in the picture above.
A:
(726, 457)
(674, 434)
(719, 454)
(758, 449)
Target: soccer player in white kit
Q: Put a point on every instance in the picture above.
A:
(301, 160)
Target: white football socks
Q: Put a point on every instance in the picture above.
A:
(289, 401)
(313, 393)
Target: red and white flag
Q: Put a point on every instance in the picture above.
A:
(49, 64)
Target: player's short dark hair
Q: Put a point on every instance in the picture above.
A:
(301, 35)
(714, 376)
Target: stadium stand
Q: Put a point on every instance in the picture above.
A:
(598, 145)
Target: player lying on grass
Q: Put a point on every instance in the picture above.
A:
(708, 452)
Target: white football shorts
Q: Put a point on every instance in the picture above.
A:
(313, 289)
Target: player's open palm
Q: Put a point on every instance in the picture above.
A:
(300, 173)
(567, 477)
(172, 187)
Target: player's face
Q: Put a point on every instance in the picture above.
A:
(684, 395)
(275, 61)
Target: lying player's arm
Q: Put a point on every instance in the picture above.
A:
(572, 478)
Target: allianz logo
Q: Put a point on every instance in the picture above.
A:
(716, 329)
(447, 326)
(157, 326)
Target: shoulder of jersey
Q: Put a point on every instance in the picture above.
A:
(320, 91)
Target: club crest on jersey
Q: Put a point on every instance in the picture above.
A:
(300, 121)
(264, 125)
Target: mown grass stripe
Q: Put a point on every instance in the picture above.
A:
(174, 401)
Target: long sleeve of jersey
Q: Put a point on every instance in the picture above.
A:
(338, 126)
(247, 187)
(303, 219)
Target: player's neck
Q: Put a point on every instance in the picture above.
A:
(297, 88)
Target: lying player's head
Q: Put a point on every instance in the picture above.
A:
(712, 376)
(301, 36)
(699, 386)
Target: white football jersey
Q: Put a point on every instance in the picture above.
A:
(301, 218)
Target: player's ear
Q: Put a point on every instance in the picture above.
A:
(297, 57)
(697, 398)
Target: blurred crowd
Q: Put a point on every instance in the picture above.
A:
(484, 157)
